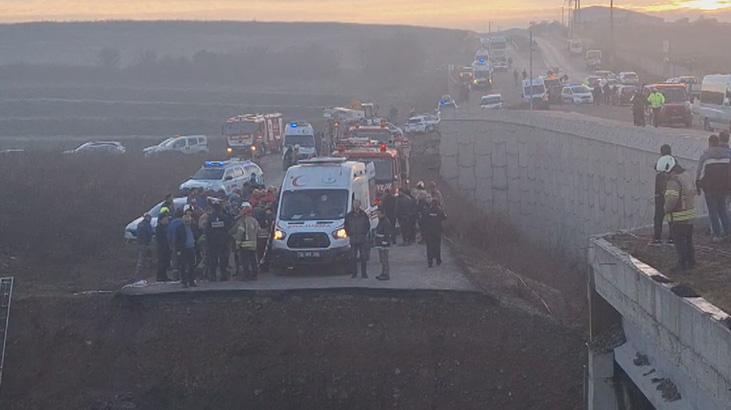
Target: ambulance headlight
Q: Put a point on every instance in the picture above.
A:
(253, 148)
(340, 234)
(279, 235)
(229, 151)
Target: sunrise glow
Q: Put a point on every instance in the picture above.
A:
(440, 13)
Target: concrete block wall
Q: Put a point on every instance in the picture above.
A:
(684, 339)
(560, 177)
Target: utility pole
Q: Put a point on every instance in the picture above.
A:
(530, 69)
(611, 31)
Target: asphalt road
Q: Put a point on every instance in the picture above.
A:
(548, 55)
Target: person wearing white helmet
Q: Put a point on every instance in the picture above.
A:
(664, 164)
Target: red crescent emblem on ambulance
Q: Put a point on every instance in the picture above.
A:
(296, 181)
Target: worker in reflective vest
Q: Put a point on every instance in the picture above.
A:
(680, 212)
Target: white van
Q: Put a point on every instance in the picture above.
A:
(187, 144)
(535, 89)
(714, 107)
(316, 196)
(302, 134)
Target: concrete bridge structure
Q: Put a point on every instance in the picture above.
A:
(561, 179)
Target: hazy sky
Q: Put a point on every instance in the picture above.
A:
(472, 14)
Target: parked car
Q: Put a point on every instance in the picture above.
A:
(224, 176)
(629, 78)
(99, 147)
(12, 151)
(577, 94)
(677, 108)
(492, 101)
(605, 74)
(130, 231)
(624, 94)
(188, 144)
(421, 124)
(694, 86)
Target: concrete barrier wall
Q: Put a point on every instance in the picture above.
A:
(559, 177)
(684, 338)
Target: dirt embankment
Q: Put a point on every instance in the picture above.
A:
(294, 350)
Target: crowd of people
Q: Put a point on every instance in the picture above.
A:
(197, 240)
(675, 197)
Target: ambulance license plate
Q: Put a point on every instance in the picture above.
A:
(308, 254)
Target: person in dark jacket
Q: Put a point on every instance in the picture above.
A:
(175, 223)
(358, 226)
(597, 94)
(638, 108)
(144, 239)
(217, 239)
(432, 231)
(384, 239)
(388, 204)
(406, 216)
(185, 250)
(163, 247)
(712, 178)
(664, 164)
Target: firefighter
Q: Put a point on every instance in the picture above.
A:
(680, 212)
(245, 233)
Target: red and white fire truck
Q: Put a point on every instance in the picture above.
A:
(387, 163)
(381, 134)
(253, 135)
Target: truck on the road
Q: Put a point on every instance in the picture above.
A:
(387, 162)
(252, 135)
(498, 50)
(593, 59)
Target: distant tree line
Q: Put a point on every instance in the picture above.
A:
(251, 65)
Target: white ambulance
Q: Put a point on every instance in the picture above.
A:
(316, 196)
(302, 135)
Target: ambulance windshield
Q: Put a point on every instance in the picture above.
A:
(314, 205)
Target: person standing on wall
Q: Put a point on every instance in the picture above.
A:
(664, 164)
(680, 212)
(358, 226)
(432, 232)
(712, 180)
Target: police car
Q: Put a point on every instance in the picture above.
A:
(224, 176)
(130, 231)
